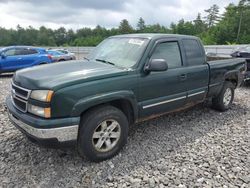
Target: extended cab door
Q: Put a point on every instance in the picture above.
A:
(197, 71)
(160, 92)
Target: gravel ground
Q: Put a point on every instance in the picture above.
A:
(199, 147)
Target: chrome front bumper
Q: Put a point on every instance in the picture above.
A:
(62, 134)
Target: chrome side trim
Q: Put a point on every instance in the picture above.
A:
(212, 85)
(198, 93)
(61, 134)
(163, 102)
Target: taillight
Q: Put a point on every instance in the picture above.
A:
(49, 56)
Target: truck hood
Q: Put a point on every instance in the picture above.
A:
(63, 74)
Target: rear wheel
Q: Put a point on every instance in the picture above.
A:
(224, 100)
(43, 63)
(103, 133)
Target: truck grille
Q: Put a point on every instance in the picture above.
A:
(20, 97)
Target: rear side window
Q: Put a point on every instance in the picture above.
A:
(170, 52)
(63, 51)
(25, 51)
(19, 51)
(32, 51)
(193, 51)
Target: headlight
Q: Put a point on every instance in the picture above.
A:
(42, 95)
(39, 111)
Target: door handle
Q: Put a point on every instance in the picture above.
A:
(183, 77)
(19, 58)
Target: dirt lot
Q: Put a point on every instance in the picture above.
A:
(199, 147)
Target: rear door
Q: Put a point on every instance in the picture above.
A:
(197, 71)
(26, 56)
(161, 92)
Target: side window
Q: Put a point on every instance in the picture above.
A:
(170, 52)
(193, 51)
(20, 51)
(10, 52)
(64, 51)
(25, 51)
(32, 51)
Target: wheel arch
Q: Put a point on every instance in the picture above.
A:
(232, 76)
(123, 100)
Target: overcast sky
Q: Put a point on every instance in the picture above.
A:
(108, 13)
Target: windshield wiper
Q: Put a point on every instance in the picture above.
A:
(105, 61)
(85, 58)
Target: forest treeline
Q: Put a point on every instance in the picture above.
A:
(232, 27)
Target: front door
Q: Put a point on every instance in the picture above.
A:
(161, 92)
(9, 60)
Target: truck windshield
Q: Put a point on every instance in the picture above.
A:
(121, 52)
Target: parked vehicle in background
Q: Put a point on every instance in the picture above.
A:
(66, 52)
(126, 79)
(18, 57)
(244, 52)
(59, 56)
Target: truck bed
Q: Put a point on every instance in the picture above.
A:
(219, 69)
(213, 58)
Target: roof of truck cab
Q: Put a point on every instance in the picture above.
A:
(155, 36)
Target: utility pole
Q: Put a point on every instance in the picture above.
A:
(238, 34)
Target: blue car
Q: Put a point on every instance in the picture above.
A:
(18, 57)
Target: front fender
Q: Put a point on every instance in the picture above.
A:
(91, 101)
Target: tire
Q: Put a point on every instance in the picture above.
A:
(44, 63)
(95, 146)
(224, 100)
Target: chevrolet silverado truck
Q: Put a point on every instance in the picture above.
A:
(247, 74)
(125, 80)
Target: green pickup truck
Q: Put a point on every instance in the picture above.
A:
(126, 79)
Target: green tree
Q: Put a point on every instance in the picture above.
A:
(243, 9)
(199, 25)
(141, 24)
(173, 28)
(212, 15)
(6, 38)
(60, 36)
(45, 37)
(125, 27)
(234, 25)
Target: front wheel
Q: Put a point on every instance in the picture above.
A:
(102, 134)
(224, 100)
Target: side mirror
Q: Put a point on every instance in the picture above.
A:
(156, 65)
